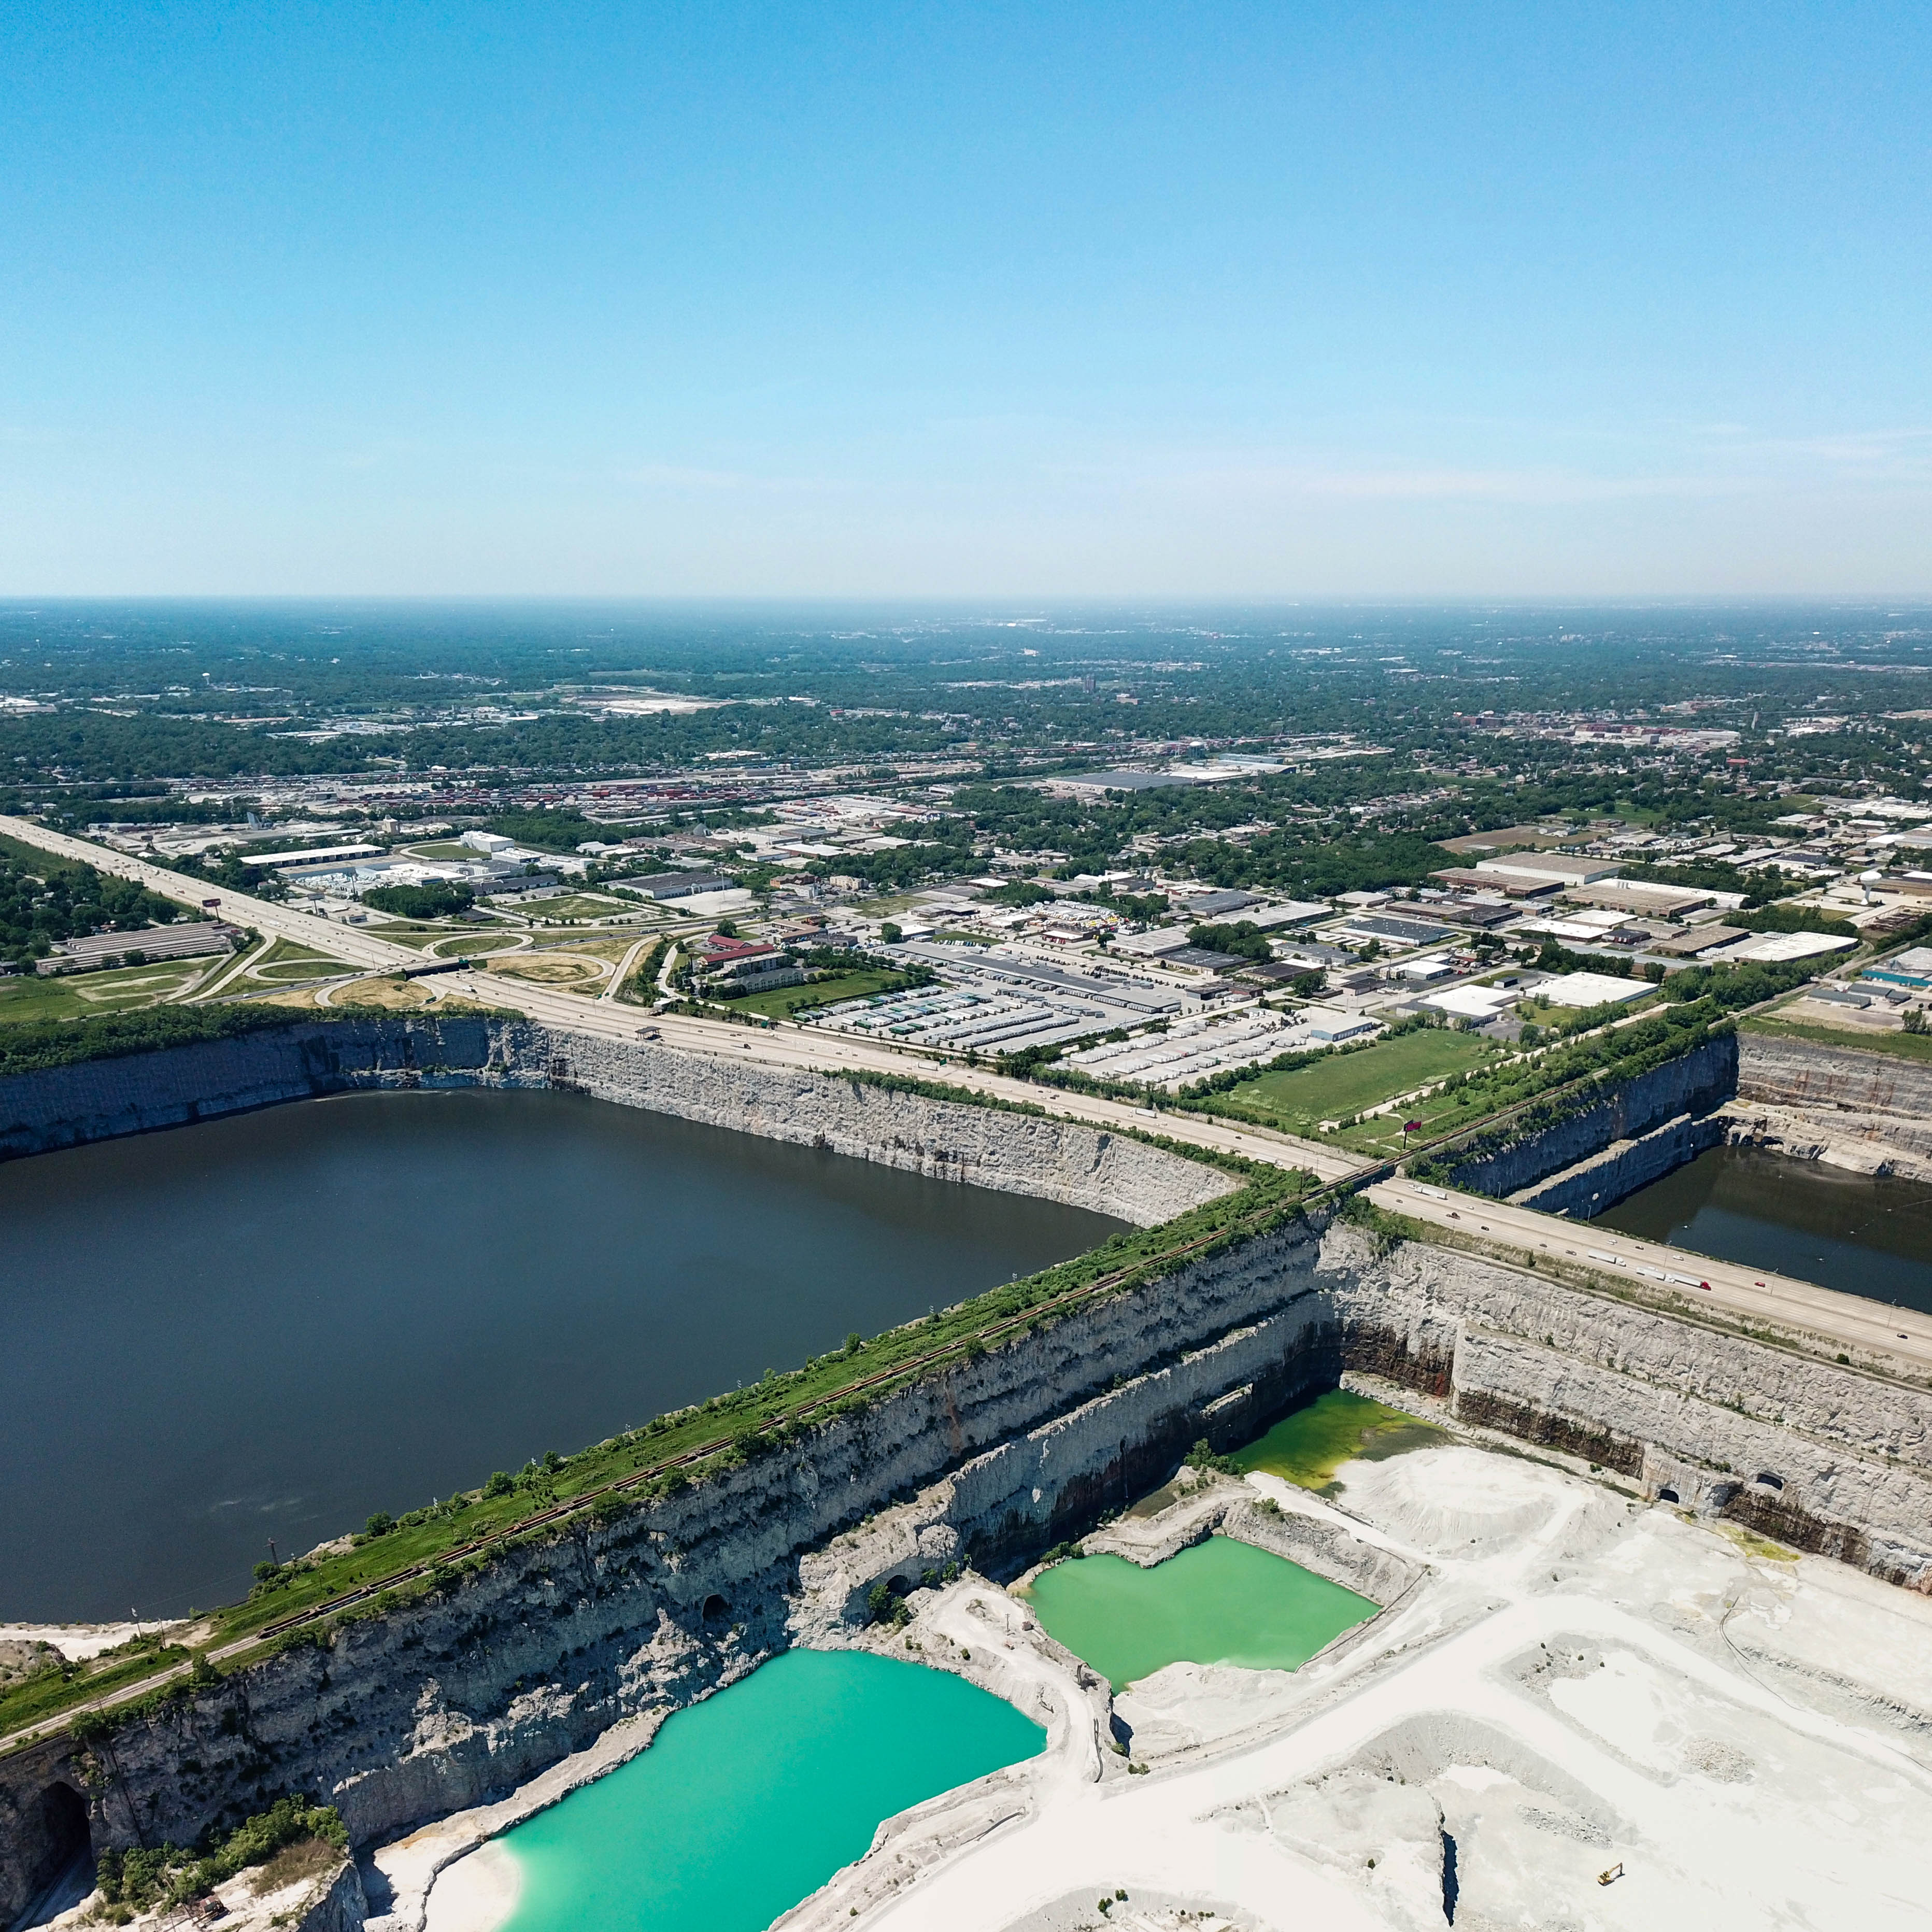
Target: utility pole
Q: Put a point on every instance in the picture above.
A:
(272, 1557)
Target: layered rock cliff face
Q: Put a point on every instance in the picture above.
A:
(1018, 1153)
(1603, 1179)
(100, 1099)
(428, 1708)
(1823, 1456)
(1059, 1160)
(1693, 1084)
(1881, 1099)
(1866, 1110)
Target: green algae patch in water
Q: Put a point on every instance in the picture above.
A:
(1307, 1447)
(749, 1801)
(1222, 1602)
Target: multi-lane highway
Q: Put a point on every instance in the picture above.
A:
(1844, 1321)
(347, 943)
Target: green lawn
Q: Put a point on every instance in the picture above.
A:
(293, 972)
(781, 1002)
(577, 905)
(1344, 1083)
(73, 996)
(412, 932)
(473, 944)
(288, 962)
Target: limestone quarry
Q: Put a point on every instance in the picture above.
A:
(1655, 1641)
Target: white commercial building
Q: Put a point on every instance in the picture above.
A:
(1593, 989)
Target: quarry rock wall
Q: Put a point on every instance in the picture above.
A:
(1882, 1100)
(1866, 1110)
(435, 1705)
(985, 1147)
(429, 1707)
(1817, 1454)
(137, 1093)
(1602, 1180)
(1020, 1154)
(421, 1708)
(1693, 1083)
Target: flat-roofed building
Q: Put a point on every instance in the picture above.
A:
(1478, 915)
(1219, 904)
(1393, 929)
(1592, 989)
(679, 885)
(1511, 885)
(1637, 896)
(1566, 869)
(311, 855)
(1696, 939)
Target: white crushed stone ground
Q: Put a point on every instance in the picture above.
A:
(78, 1642)
(1581, 1682)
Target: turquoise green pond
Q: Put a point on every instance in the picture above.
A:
(1222, 1602)
(749, 1802)
(1308, 1446)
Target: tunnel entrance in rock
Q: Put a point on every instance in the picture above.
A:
(715, 1610)
(64, 1873)
(65, 1813)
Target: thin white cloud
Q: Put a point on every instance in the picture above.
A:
(676, 476)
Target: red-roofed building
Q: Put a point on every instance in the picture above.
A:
(744, 966)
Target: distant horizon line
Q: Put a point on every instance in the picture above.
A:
(1282, 600)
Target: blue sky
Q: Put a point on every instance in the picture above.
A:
(964, 299)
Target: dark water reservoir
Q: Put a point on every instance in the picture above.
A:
(1848, 1231)
(273, 1325)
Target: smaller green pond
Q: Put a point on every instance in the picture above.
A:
(749, 1801)
(1222, 1602)
(1307, 1447)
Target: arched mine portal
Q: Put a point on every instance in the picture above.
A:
(56, 1850)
